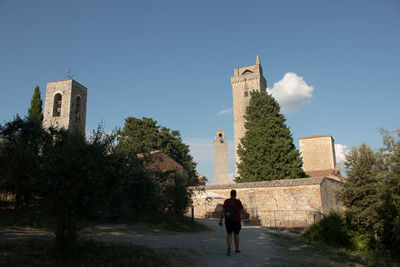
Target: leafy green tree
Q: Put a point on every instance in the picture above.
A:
(78, 181)
(20, 162)
(177, 195)
(362, 190)
(35, 111)
(267, 151)
(141, 136)
(371, 194)
(390, 208)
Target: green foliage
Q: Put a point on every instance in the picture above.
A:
(77, 181)
(141, 136)
(362, 242)
(137, 186)
(19, 159)
(362, 189)
(371, 195)
(267, 151)
(35, 111)
(177, 196)
(153, 223)
(331, 230)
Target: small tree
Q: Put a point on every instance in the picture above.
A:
(267, 151)
(362, 190)
(35, 111)
(20, 162)
(141, 136)
(79, 177)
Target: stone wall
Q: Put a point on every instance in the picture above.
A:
(69, 117)
(281, 203)
(318, 153)
(221, 173)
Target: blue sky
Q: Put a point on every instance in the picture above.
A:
(172, 61)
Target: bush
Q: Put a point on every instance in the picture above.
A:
(362, 242)
(330, 230)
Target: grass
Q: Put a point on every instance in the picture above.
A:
(39, 252)
(161, 224)
(295, 249)
(31, 219)
(138, 222)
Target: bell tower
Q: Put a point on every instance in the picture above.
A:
(221, 174)
(245, 80)
(65, 105)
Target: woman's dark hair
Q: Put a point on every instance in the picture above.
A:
(233, 193)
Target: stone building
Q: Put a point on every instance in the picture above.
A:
(319, 157)
(245, 80)
(291, 203)
(65, 105)
(221, 173)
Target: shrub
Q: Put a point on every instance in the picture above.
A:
(330, 230)
(362, 242)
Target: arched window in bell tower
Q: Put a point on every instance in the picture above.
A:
(57, 105)
(78, 109)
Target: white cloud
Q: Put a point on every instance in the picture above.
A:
(291, 92)
(225, 111)
(340, 151)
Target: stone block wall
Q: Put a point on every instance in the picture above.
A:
(69, 116)
(281, 203)
(221, 173)
(318, 153)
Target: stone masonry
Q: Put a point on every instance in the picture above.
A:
(221, 173)
(65, 105)
(292, 203)
(318, 153)
(245, 80)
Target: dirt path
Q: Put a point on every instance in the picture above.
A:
(259, 246)
(208, 247)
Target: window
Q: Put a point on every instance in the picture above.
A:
(78, 109)
(246, 94)
(57, 105)
(220, 138)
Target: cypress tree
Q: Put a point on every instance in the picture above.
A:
(35, 111)
(267, 151)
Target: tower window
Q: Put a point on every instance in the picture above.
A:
(57, 105)
(220, 138)
(78, 109)
(246, 93)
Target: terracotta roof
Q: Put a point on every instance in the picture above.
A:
(157, 160)
(275, 183)
(322, 173)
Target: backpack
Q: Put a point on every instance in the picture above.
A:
(230, 211)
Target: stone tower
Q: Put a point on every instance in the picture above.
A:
(245, 80)
(318, 153)
(65, 105)
(221, 174)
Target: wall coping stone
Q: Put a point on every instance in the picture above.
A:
(275, 183)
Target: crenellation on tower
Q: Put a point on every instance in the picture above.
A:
(65, 105)
(245, 80)
(221, 173)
